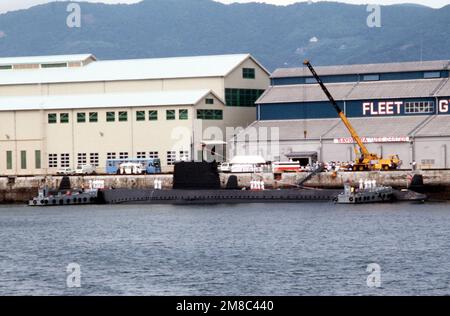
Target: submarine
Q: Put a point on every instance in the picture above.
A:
(199, 183)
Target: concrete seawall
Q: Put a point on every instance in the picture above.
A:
(21, 189)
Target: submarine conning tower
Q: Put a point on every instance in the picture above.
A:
(196, 175)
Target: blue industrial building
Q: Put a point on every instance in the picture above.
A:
(396, 107)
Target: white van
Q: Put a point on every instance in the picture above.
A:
(65, 172)
(225, 167)
(85, 169)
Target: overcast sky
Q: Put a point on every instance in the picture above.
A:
(8, 5)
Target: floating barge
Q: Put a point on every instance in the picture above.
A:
(62, 198)
(366, 194)
(65, 195)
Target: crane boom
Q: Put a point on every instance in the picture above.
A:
(341, 114)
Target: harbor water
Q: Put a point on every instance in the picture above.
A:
(255, 249)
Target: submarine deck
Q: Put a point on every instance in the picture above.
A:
(147, 196)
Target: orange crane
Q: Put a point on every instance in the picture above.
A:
(366, 160)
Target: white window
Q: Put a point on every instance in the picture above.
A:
(371, 77)
(432, 74)
(419, 107)
(184, 155)
(65, 160)
(93, 159)
(52, 160)
(153, 155)
(141, 155)
(82, 159)
(171, 158)
(123, 155)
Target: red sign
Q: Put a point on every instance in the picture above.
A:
(349, 140)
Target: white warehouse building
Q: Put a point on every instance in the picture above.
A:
(64, 111)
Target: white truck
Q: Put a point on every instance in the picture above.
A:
(85, 169)
(65, 171)
(243, 164)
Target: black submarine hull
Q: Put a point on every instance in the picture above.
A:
(174, 196)
(199, 183)
(183, 197)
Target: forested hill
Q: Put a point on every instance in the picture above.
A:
(279, 36)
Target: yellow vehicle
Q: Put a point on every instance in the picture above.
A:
(365, 160)
(373, 162)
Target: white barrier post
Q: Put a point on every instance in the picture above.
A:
(158, 184)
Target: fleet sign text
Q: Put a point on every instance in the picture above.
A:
(382, 108)
(443, 106)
